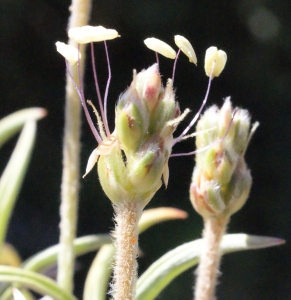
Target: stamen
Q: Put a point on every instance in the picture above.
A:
(175, 63)
(178, 139)
(157, 59)
(105, 120)
(88, 117)
(80, 92)
(74, 82)
(212, 144)
(96, 81)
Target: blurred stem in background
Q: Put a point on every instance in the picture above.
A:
(80, 12)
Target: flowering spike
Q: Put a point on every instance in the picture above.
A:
(221, 180)
(160, 47)
(70, 53)
(88, 34)
(186, 48)
(217, 57)
(133, 170)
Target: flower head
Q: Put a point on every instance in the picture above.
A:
(132, 171)
(215, 61)
(133, 159)
(221, 180)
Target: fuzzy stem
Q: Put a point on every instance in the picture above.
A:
(126, 243)
(80, 11)
(208, 270)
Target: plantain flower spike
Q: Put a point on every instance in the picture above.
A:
(160, 47)
(133, 169)
(215, 61)
(70, 53)
(221, 180)
(87, 34)
(186, 48)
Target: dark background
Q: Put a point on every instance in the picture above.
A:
(257, 38)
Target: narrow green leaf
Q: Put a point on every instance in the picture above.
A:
(154, 216)
(100, 272)
(13, 175)
(178, 260)
(48, 257)
(34, 281)
(12, 124)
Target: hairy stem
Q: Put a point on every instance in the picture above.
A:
(126, 243)
(208, 270)
(80, 11)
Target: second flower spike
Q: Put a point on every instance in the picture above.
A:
(221, 179)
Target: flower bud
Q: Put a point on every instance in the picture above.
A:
(70, 53)
(148, 85)
(221, 180)
(215, 61)
(186, 48)
(88, 34)
(160, 47)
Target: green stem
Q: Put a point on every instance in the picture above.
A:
(126, 243)
(214, 229)
(71, 159)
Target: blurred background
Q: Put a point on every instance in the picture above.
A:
(256, 34)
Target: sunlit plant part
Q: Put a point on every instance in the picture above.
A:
(217, 57)
(88, 34)
(186, 48)
(106, 140)
(160, 47)
(71, 53)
